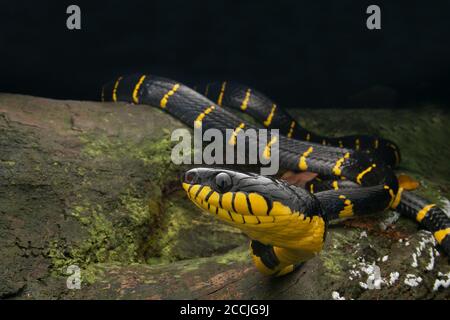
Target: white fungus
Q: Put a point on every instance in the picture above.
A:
(393, 277)
(430, 265)
(336, 296)
(445, 283)
(414, 263)
(363, 285)
(427, 239)
(374, 279)
(412, 280)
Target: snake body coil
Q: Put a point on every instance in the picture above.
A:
(259, 106)
(287, 224)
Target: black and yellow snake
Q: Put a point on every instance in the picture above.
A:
(287, 224)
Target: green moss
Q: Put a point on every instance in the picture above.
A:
(81, 171)
(128, 229)
(141, 210)
(117, 236)
(90, 274)
(167, 237)
(154, 154)
(240, 254)
(8, 163)
(117, 148)
(334, 258)
(194, 264)
(237, 255)
(185, 232)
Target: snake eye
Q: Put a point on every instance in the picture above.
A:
(223, 182)
(190, 177)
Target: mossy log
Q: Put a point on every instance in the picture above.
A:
(91, 184)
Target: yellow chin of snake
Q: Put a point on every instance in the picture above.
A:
(279, 227)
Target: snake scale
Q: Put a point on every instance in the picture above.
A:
(286, 224)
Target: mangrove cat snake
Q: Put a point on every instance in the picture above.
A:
(286, 224)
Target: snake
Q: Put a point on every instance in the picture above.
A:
(286, 224)
(240, 97)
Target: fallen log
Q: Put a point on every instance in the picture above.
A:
(91, 185)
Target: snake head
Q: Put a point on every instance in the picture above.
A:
(266, 209)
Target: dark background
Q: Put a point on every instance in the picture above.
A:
(301, 53)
